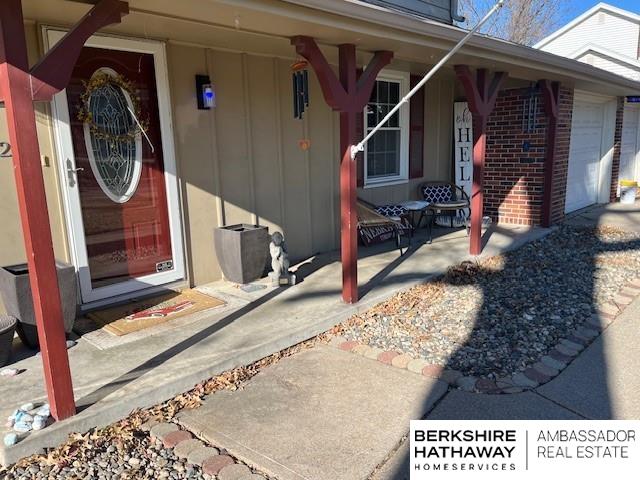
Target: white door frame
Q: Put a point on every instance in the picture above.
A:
(70, 194)
(635, 108)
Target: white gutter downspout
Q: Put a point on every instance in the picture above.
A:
(360, 146)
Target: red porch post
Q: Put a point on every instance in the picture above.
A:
(347, 95)
(16, 84)
(482, 99)
(551, 98)
(348, 175)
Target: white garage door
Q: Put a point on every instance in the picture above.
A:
(629, 145)
(585, 154)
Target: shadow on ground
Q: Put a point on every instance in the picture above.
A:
(574, 279)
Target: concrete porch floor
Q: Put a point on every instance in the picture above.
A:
(110, 383)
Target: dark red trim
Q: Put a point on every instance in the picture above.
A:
(481, 96)
(416, 131)
(348, 95)
(551, 98)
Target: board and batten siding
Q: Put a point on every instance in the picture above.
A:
(605, 29)
(241, 162)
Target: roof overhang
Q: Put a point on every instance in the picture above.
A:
(605, 53)
(265, 26)
(520, 61)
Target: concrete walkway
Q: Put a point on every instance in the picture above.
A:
(320, 414)
(110, 383)
(625, 217)
(329, 414)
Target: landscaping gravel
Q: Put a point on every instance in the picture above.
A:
(498, 316)
(134, 458)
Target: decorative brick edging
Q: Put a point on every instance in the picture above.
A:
(196, 452)
(546, 368)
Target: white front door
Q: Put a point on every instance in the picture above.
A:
(630, 144)
(114, 139)
(585, 153)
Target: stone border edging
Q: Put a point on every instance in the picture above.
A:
(196, 452)
(547, 367)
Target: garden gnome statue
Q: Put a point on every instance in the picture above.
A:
(280, 262)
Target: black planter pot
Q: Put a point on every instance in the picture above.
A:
(242, 251)
(16, 296)
(7, 329)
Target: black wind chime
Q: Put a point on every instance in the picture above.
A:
(300, 81)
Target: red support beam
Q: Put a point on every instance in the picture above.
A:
(16, 90)
(551, 99)
(481, 95)
(348, 95)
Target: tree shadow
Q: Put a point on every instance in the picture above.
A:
(526, 302)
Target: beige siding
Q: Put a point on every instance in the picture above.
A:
(242, 161)
(197, 161)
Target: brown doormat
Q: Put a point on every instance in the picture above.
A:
(140, 314)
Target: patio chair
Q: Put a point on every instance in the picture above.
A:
(380, 223)
(447, 199)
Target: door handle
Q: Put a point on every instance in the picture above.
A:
(72, 173)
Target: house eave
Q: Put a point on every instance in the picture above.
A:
(482, 48)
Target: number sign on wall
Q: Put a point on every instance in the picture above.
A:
(463, 146)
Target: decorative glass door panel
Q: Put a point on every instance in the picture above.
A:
(118, 165)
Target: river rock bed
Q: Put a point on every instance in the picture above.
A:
(136, 457)
(497, 316)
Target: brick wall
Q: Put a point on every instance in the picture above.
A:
(561, 166)
(515, 159)
(617, 139)
(514, 172)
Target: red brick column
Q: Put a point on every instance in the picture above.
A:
(617, 139)
(515, 161)
(514, 172)
(561, 166)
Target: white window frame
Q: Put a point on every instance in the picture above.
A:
(403, 177)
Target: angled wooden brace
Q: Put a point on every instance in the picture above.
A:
(52, 73)
(334, 94)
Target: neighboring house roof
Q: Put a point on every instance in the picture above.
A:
(605, 52)
(601, 7)
(425, 32)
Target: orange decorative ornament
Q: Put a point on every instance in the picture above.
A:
(304, 144)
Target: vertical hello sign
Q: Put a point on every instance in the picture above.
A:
(463, 146)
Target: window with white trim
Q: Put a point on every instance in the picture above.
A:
(387, 153)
